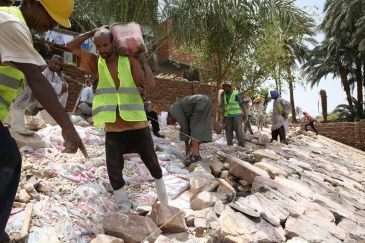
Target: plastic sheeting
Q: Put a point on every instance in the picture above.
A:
(78, 193)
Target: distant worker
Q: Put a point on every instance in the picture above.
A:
(60, 87)
(258, 105)
(194, 115)
(233, 110)
(151, 115)
(87, 97)
(310, 122)
(21, 63)
(247, 114)
(118, 107)
(281, 110)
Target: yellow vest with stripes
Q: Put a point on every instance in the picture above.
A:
(11, 79)
(232, 107)
(107, 98)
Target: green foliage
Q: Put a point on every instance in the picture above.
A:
(347, 113)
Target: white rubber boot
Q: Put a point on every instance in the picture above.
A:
(161, 191)
(122, 201)
(17, 122)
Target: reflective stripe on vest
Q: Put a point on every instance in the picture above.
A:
(11, 79)
(232, 107)
(107, 98)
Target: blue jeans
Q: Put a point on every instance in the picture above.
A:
(10, 166)
(234, 124)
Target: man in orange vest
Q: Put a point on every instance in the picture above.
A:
(19, 59)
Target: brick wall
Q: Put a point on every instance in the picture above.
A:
(162, 96)
(74, 88)
(349, 133)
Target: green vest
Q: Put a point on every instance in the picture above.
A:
(281, 109)
(11, 79)
(232, 107)
(108, 98)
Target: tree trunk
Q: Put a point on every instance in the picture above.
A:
(359, 83)
(291, 92)
(216, 120)
(323, 95)
(346, 85)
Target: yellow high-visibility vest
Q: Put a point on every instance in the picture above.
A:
(232, 107)
(108, 98)
(11, 79)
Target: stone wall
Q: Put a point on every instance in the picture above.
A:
(350, 133)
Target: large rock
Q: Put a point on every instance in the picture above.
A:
(304, 227)
(106, 239)
(265, 153)
(204, 200)
(200, 184)
(34, 141)
(197, 214)
(216, 168)
(272, 170)
(23, 196)
(245, 170)
(355, 230)
(235, 224)
(272, 212)
(46, 117)
(34, 123)
(299, 188)
(132, 229)
(168, 218)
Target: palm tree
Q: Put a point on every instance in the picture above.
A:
(319, 64)
(323, 95)
(348, 113)
(225, 29)
(342, 24)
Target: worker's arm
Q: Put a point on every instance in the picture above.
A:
(45, 94)
(74, 45)
(145, 68)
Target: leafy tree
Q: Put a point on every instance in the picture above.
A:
(347, 113)
(298, 111)
(225, 30)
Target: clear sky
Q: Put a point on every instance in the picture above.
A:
(306, 98)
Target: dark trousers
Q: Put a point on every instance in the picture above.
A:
(10, 166)
(278, 132)
(133, 141)
(234, 124)
(247, 125)
(312, 125)
(152, 116)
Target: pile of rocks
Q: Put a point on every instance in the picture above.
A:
(311, 190)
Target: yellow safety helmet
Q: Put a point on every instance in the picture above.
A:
(257, 100)
(60, 11)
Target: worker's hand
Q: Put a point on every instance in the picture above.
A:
(142, 57)
(73, 142)
(101, 27)
(283, 114)
(64, 88)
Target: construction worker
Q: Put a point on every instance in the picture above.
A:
(280, 116)
(194, 115)
(233, 110)
(311, 121)
(118, 107)
(20, 61)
